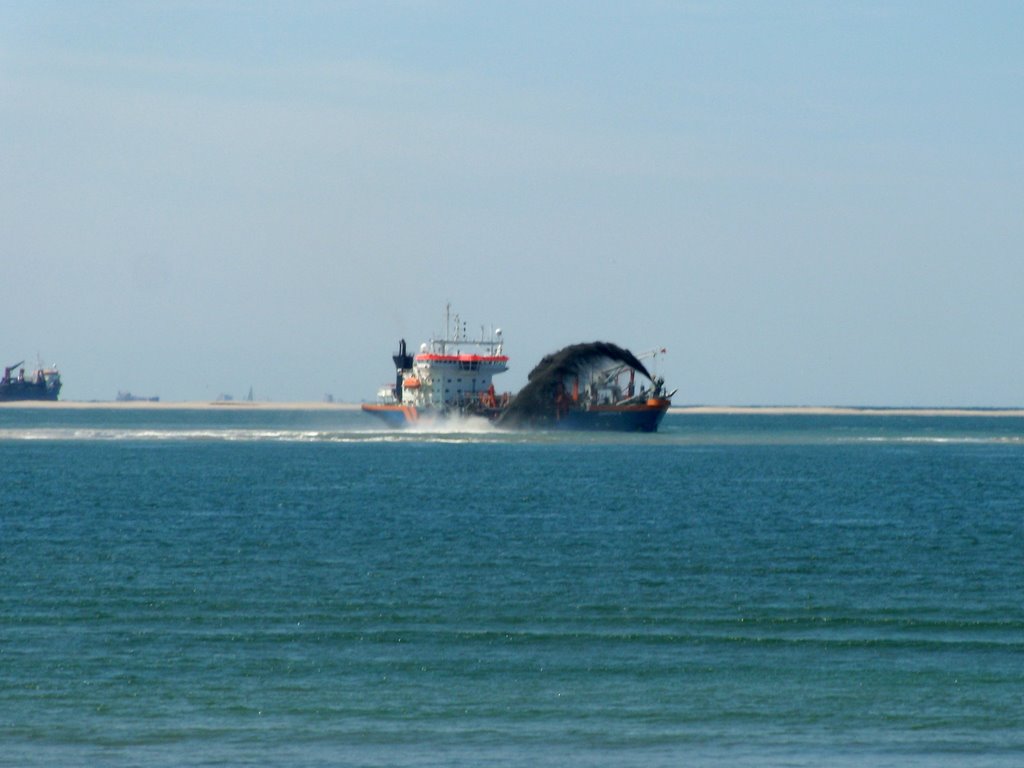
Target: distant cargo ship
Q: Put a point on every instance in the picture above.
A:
(582, 387)
(44, 384)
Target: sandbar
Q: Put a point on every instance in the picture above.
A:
(840, 410)
(716, 410)
(188, 405)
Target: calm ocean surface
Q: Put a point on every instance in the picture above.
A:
(236, 587)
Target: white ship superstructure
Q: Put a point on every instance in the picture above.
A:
(449, 375)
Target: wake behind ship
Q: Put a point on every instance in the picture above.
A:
(44, 384)
(591, 386)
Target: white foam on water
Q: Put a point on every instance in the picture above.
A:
(943, 440)
(450, 425)
(468, 430)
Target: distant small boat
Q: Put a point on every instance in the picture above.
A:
(44, 384)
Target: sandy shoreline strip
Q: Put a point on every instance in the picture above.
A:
(840, 410)
(189, 405)
(715, 410)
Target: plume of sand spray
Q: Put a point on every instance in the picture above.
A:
(536, 402)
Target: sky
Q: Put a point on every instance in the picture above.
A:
(804, 203)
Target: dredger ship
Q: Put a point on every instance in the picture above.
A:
(590, 386)
(44, 384)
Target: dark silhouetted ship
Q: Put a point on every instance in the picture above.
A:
(44, 384)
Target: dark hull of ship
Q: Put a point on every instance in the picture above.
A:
(643, 417)
(25, 390)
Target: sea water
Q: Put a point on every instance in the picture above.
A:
(255, 587)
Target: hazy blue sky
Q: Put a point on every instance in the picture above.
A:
(805, 203)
